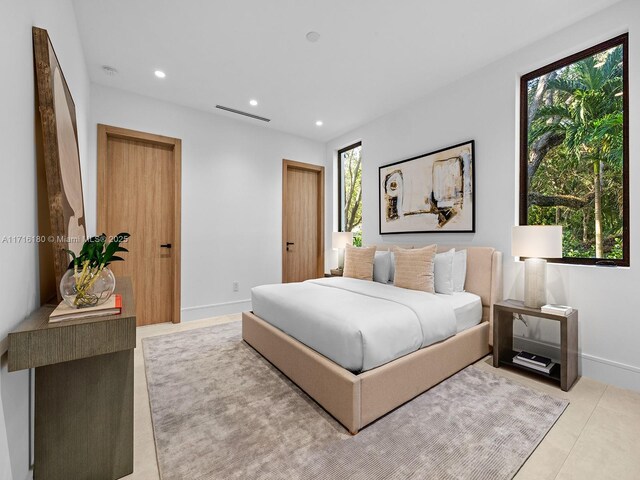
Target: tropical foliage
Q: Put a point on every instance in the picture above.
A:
(97, 253)
(351, 163)
(575, 161)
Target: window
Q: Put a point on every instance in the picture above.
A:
(574, 152)
(350, 191)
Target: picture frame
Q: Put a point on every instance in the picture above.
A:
(61, 155)
(429, 193)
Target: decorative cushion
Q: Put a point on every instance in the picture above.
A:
(459, 270)
(443, 272)
(414, 268)
(381, 267)
(358, 262)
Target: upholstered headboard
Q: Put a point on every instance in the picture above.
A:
(484, 275)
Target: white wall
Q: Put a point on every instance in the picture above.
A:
(225, 160)
(483, 106)
(18, 215)
(231, 195)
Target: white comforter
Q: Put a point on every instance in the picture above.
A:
(358, 324)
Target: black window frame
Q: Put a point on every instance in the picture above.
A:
(340, 175)
(620, 40)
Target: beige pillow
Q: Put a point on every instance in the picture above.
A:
(358, 262)
(414, 268)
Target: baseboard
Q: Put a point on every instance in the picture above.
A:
(601, 369)
(215, 310)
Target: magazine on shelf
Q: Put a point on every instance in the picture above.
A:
(518, 361)
(534, 359)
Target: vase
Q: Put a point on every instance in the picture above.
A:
(84, 288)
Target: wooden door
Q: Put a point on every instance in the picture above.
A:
(139, 193)
(302, 221)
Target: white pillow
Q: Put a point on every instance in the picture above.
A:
(459, 270)
(381, 267)
(443, 272)
(392, 267)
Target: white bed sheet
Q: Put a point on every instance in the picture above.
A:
(358, 324)
(467, 308)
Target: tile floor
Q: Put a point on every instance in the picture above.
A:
(597, 437)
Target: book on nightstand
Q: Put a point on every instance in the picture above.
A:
(113, 306)
(533, 358)
(556, 309)
(547, 369)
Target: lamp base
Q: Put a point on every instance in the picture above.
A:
(340, 258)
(535, 282)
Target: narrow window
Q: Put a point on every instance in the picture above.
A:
(350, 191)
(574, 152)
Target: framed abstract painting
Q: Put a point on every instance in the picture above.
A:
(430, 193)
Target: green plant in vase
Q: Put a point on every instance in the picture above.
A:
(88, 281)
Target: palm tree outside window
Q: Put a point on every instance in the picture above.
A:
(574, 148)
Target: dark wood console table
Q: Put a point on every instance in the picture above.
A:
(84, 390)
(566, 372)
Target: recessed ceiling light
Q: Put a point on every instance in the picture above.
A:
(253, 102)
(319, 123)
(313, 37)
(108, 70)
(160, 74)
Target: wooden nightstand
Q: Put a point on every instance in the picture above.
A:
(566, 372)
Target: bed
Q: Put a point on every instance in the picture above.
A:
(361, 369)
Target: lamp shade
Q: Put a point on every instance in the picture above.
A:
(340, 239)
(540, 241)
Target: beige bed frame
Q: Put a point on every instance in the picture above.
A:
(357, 400)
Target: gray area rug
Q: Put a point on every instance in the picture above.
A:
(221, 411)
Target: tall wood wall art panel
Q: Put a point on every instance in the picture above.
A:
(61, 154)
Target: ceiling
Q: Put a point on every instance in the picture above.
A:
(373, 56)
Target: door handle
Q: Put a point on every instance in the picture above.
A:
(165, 245)
(288, 245)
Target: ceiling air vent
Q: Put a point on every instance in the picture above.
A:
(240, 112)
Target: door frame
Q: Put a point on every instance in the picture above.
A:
(106, 131)
(286, 164)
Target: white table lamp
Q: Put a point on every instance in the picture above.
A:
(338, 242)
(536, 242)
